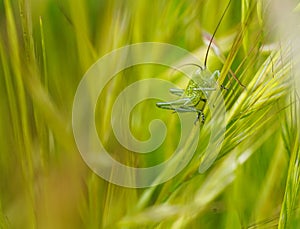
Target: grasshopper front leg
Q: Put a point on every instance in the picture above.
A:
(176, 91)
(216, 73)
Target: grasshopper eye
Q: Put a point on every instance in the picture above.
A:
(198, 72)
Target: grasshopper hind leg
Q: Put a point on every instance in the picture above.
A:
(200, 114)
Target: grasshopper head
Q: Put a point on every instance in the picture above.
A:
(202, 74)
(204, 78)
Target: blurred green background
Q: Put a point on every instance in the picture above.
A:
(45, 49)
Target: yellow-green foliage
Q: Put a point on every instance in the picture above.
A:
(46, 46)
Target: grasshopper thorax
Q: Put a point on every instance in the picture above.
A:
(202, 82)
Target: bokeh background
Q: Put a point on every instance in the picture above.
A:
(47, 46)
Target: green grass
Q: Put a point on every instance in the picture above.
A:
(45, 49)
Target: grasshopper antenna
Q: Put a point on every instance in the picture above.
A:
(191, 64)
(211, 40)
(197, 65)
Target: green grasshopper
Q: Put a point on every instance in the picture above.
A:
(194, 97)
